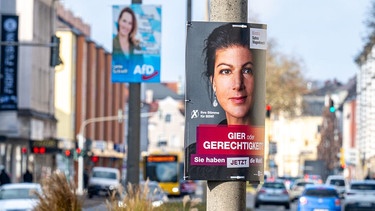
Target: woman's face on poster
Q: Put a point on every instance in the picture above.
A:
(125, 24)
(233, 80)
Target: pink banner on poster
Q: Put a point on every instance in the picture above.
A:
(232, 140)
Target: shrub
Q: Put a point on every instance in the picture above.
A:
(58, 194)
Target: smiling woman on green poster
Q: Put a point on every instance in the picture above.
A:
(225, 133)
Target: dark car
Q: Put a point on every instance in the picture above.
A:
(188, 187)
(272, 193)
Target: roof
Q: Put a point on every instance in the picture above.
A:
(161, 91)
(320, 186)
(329, 87)
(106, 169)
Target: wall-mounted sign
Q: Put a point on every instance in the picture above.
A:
(9, 63)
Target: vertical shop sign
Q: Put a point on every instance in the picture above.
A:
(8, 65)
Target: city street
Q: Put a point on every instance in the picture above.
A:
(98, 203)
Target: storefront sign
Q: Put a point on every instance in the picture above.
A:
(9, 62)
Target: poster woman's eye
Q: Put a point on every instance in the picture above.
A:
(225, 72)
(248, 71)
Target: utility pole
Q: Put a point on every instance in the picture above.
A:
(227, 195)
(134, 145)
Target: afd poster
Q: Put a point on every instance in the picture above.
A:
(136, 44)
(225, 101)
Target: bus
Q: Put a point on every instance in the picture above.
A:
(164, 169)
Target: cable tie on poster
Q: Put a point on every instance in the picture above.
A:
(237, 177)
(239, 25)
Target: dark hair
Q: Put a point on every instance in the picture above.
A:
(224, 36)
(133, 32)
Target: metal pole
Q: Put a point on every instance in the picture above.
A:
(81, 140)
(227, 195)
(134, 146)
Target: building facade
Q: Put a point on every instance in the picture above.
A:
(43, 107)
(365, 108)
(29, 127)
(87, 102)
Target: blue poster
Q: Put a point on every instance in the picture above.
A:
(136, 43)
(9, 63)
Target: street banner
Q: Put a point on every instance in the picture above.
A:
(9, 63)
(136, 45)
(225, 101)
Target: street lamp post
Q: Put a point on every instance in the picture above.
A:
(81, 138)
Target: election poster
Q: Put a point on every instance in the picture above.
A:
(136, 44)
(225, 101)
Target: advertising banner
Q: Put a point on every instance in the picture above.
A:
(8, 64)
(136, 43)
(225, 101)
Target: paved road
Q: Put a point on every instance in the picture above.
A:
(98, 204)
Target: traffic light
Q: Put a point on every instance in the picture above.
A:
(78, 151)
(94, 159)
(332, 108)
(55, 51)
(268, 111)
(68, 153)
(24, 150)
(39, 150)
(342, 157)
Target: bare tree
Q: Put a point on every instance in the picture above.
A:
(284, 81)
(330, 142)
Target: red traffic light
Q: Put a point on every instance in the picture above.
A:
(39, 150)
(23, 150)
(268, 110)
(78, 150)
(94, 159)
(67, 153)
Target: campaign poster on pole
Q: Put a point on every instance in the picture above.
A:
(136, 47)
(225, 101)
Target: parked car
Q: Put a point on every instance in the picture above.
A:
(298, 187)
(315, 177)
(360, 195)
(319, 197)
(19, 196)
(339, 182)
(155, 193)
(187, 187)
(288, 180)
(272, 193)
(103, 181)
(151, 190)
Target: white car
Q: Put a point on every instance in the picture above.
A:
(19, 196)
(298, 187)
(360, 195)
(339, 182)
(103, 181)
(272, 193)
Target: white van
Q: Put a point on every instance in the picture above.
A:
(339, 182)
(103, 181)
